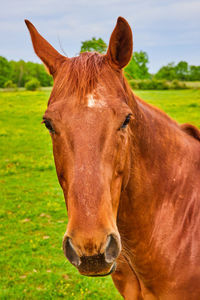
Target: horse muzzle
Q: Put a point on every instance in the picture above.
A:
(100, 264)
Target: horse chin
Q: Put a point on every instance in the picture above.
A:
(112, 269)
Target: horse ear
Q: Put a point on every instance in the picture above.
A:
(49, 56)
(121, 44)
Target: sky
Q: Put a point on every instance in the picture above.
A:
(169, 31)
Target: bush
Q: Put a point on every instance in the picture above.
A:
(10, 85)
(153, 85)
(157, 84)
(177, 85)
(32, 85)
(162, 85)
(145, 85)
(134, 84)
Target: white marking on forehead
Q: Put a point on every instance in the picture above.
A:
(92, 102)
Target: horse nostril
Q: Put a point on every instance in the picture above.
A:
(112, 249)
(70, 252)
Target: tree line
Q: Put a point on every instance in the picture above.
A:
(20, 72)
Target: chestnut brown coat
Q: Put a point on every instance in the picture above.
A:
(129, 173)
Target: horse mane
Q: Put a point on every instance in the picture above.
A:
(191, 130)
(187, 128)
(153, 109)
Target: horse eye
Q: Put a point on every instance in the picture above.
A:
(126, 121)
(48, 125)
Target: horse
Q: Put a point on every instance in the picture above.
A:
(129, 173)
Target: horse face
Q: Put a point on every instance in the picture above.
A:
(90, 144)
(88, 117)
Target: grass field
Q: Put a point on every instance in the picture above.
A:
(32, 208)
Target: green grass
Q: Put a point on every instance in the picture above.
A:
(32, 209)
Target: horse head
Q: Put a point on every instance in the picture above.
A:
(88, 119)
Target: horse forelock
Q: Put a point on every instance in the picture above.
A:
(79, 76)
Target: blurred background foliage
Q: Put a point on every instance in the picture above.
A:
(15, 74)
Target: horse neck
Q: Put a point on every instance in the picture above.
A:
(160, 154)
(156, 143)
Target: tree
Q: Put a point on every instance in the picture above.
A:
(137, 67)
(5, 70)
(167, 72)
(182, 70)
(94, 45)
(22, 72)
(194, 73)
